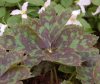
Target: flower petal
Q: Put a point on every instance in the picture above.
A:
(24, 6)
(84, 2)
(47, 3)
(16, 12)
(24, 16)
(2, 28)
(77, 23)
(83, 9)
(69, 22)
(76, 12)
(41, 10)
(97, 11)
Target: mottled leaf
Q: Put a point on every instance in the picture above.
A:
(85, 74)
(9, 59)
(15, 74)
(96, 72)
(59, 43)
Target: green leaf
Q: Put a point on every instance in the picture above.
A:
(2, 12)
(12, 1)
(96, 2)
(13, 20)
(86, 25)
(36, 2)
(66, 3)
(59, 9)
(99, 26)
(2, 2)
(74, 44)
(66, 69)
(10, 4)
(66, 82)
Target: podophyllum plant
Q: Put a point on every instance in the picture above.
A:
(47, 39)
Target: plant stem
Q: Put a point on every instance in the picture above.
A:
(55, 74)
(51, 77)
(73, 74)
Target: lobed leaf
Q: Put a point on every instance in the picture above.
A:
(9, 59)
(15, 74)
(85, 74)
(96, 72)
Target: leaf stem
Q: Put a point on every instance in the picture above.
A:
(55, 73)
(73, 74)
(51, 77)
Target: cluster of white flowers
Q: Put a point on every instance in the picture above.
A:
(72, 20)
(82, 4)
(23, 13)
(15, 12)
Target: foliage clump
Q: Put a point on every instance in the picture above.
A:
(47, 39)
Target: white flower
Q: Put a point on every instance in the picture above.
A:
(2, 28)
(73, 18)
(22, 11)
(83, 3)
(97, 11)
(46, 4)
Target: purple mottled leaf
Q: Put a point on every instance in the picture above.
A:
(77, 39)
(57, 42)
(66, 57)
(8, 59)
(19, 82)
(27, 44)
(96, 72)
(85, 74)
(34, 58)
(15, 74)
(47, 39)
(8, 42)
